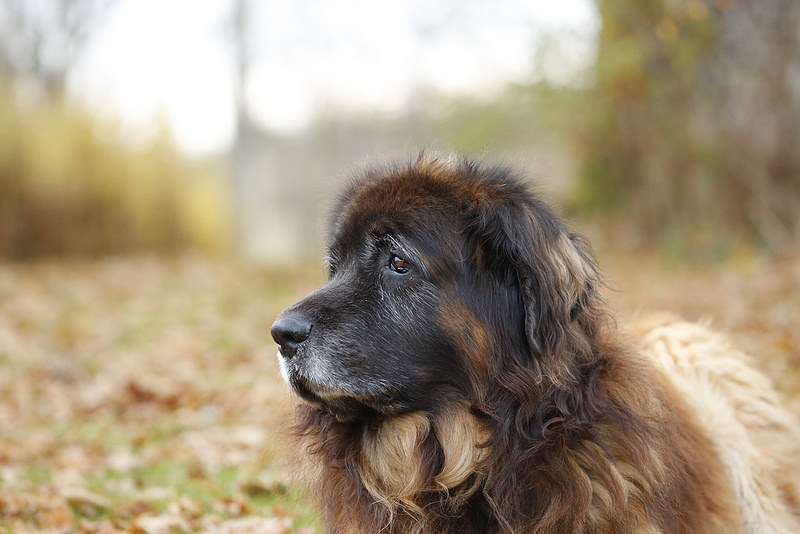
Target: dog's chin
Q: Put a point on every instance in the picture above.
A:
(346, 407)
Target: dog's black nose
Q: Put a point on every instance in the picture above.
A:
(289, 331)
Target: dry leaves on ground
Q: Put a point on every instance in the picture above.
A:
(143, 395)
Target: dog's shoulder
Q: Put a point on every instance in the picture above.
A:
(702, 361)
(696, 351)
(738, 409)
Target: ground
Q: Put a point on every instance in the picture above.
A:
(143, 395)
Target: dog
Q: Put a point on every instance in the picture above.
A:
(460, 373)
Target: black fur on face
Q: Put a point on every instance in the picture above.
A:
(424, 262)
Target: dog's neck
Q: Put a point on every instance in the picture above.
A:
(457, 471)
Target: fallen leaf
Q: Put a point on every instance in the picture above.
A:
(252, 525)
(85, 500)
(157, 524)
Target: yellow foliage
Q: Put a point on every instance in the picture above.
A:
(696, 10)
(71, 185)
(666, 30)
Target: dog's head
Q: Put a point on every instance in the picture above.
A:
(441, 275)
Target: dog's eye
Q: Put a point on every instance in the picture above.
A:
(399, 265)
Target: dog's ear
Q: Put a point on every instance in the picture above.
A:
(553, 268)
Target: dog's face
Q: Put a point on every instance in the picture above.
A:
(424, 277)
(375, 340)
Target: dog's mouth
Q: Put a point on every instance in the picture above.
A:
(348, 398)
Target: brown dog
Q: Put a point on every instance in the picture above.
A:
(461, 375)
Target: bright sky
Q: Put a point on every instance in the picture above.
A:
(173, 59)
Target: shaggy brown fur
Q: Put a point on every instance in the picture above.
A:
(462, 376)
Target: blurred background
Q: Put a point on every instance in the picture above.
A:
(166, 167)
(223, 125)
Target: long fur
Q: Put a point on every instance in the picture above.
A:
(569, 424)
